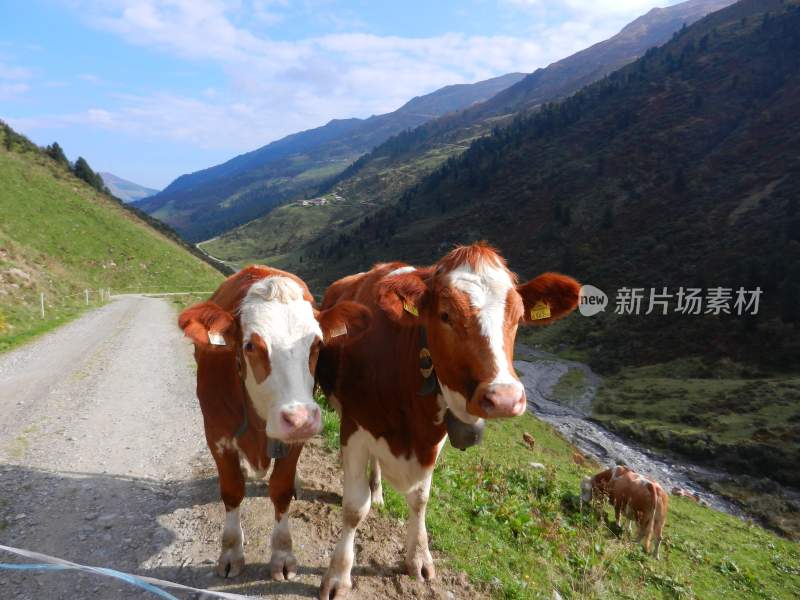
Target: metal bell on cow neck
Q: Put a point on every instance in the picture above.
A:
(463, 435)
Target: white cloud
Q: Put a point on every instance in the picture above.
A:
(275, 87)
(9, 71)
(606, 8)
(9, 91)
(269, 12)
(13, 79)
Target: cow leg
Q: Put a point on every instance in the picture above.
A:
(418, 557)
(336, 582)
(375, 484)
(282, 486)
(658, 527)
(618, 513)
(231, 485)
(632, 516)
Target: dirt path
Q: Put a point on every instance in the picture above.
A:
(103, 462)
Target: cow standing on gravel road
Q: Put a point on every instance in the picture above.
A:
(257, 340)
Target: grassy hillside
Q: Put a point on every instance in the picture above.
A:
(380, 177)
(520, 533)
(60, 236)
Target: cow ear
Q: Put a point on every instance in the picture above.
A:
(344, 322)
(402, 297)
(206, 324)
(548, 297)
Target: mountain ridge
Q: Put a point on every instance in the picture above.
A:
(126, 190)
(677, 170)
(202, 204)
(382, 175)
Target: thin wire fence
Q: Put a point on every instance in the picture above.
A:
(100, 296)
(90, 296)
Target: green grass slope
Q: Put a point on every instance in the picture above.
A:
(519, 531)
(60, 236)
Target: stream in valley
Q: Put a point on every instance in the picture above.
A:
(541, 371)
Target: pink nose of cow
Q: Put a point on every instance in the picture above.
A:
(300, 422)
(503, 400)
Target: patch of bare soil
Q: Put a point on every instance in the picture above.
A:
(379, 571)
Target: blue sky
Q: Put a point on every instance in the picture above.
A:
(151, 89)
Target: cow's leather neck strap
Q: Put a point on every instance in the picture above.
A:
(240, 372)
(430, 383)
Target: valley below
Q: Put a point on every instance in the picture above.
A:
(562, 392)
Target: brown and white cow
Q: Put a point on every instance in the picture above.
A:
(598, 487)
(394, 410)
(257, 341)
(644, 502)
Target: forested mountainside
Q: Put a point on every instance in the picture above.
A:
(382, 175)
(681, 169)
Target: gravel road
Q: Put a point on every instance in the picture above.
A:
(103, 462)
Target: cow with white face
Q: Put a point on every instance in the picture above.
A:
(257, 340)
(436, 360)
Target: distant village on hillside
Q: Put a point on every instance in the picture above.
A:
(321, 200)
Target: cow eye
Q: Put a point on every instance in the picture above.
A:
(444, 317)
(248, 347)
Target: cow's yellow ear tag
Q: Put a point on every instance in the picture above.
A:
(540, 311)
(410, 308)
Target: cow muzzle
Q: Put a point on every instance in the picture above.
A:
(299, 421)
(498, 400)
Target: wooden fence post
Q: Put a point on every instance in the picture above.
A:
(41, 302)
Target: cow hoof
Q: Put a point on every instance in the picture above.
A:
(334, 587)
(377, 499)
(421, 568)
(283, 565)
(229, 564)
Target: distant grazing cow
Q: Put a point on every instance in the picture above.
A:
(437, 359)
(257, 341)
(598, 487)
(644, 501)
